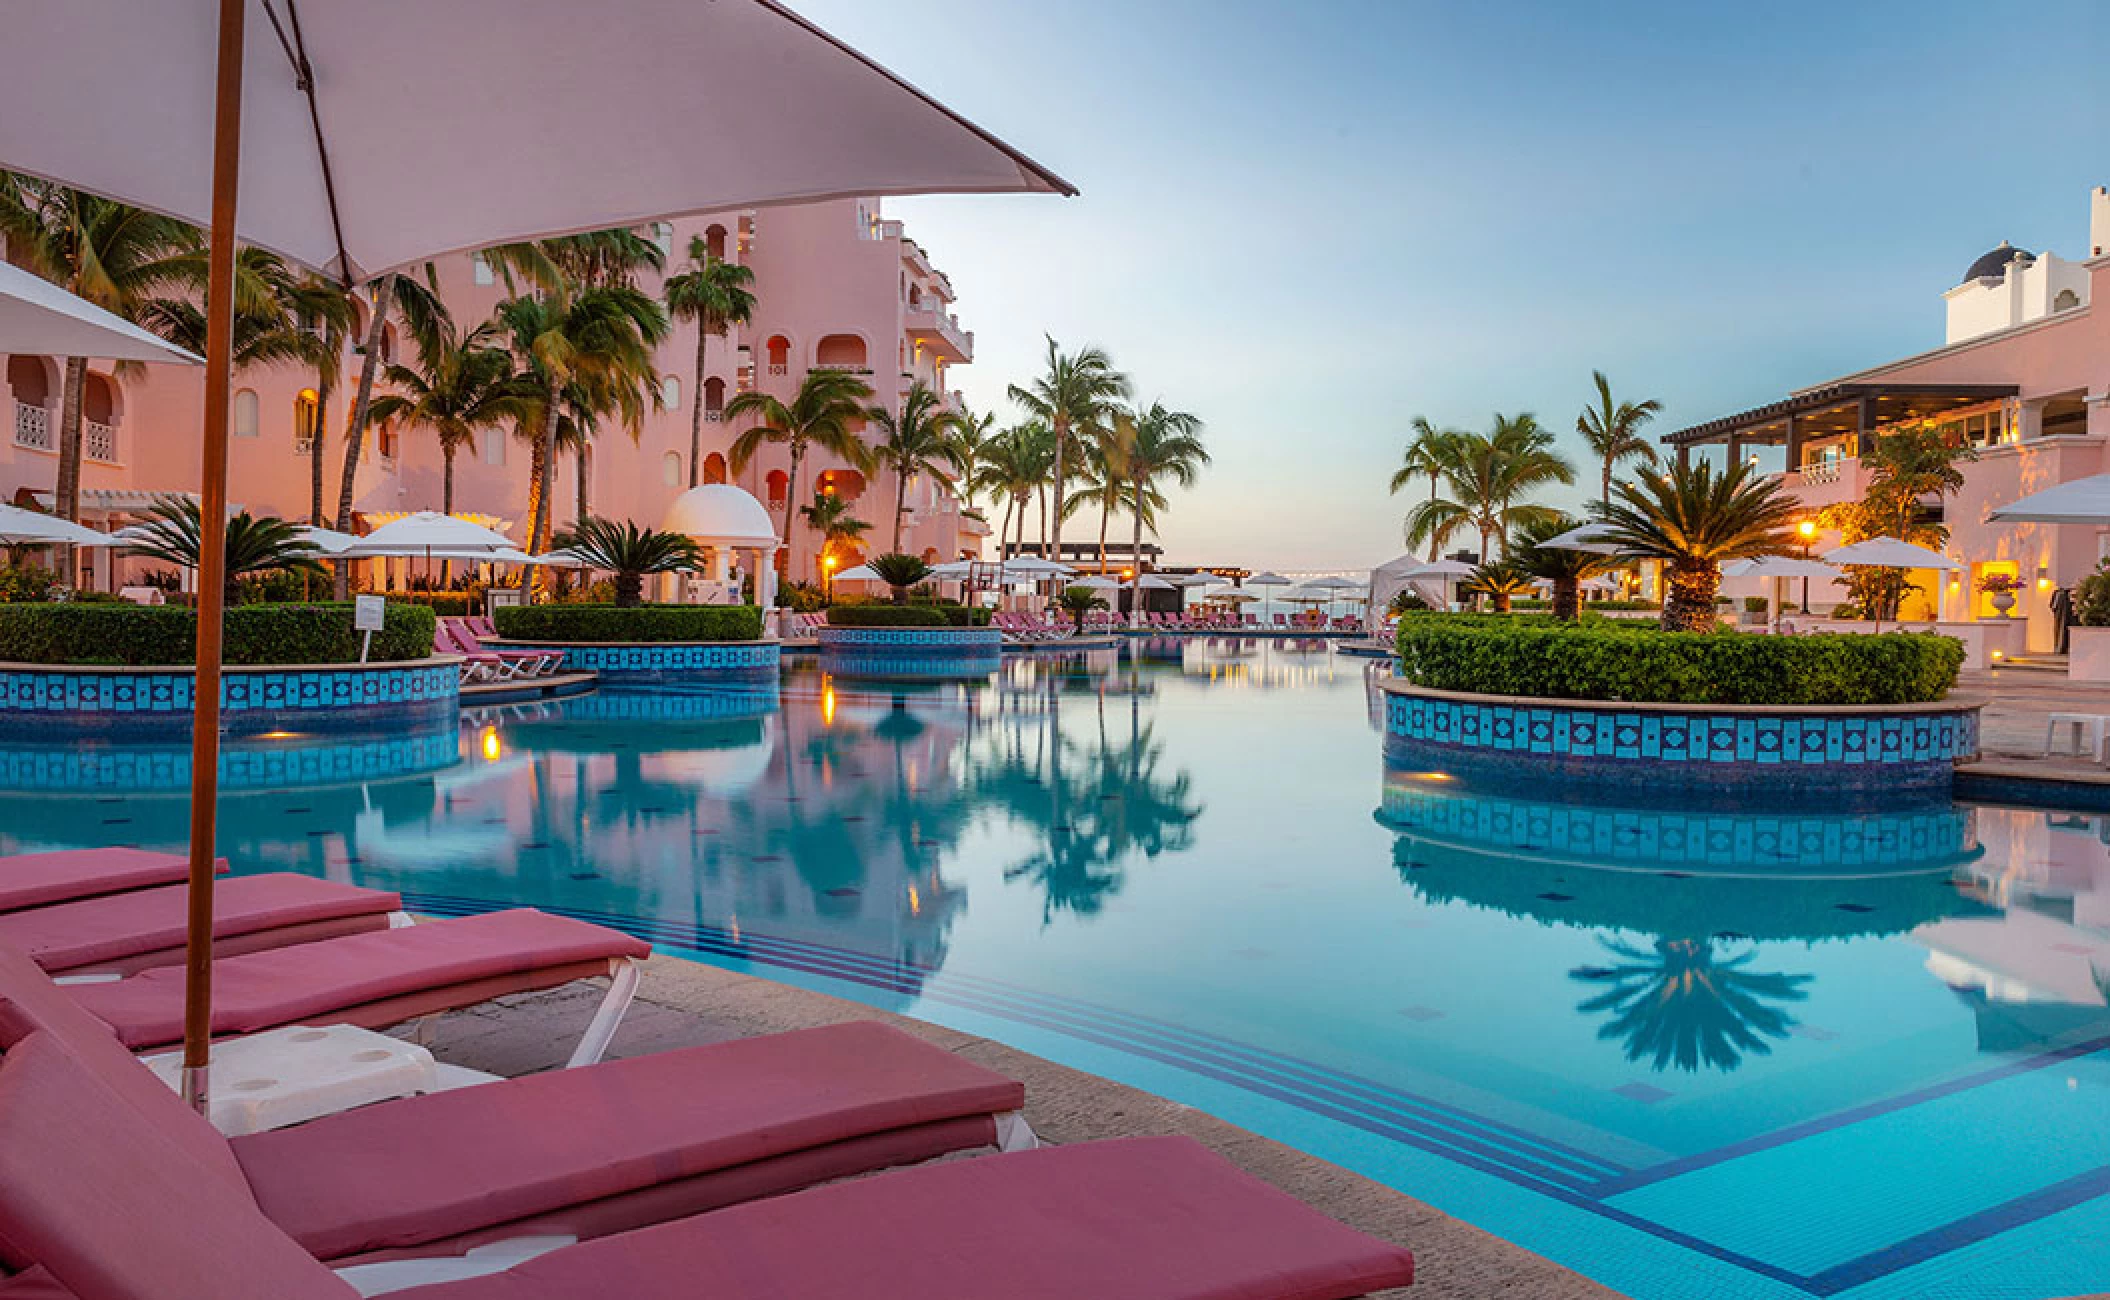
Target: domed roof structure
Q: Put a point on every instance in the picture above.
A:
(1993, 265)
(719, 514)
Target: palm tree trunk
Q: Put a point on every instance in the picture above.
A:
(696, 408)
(900, 504)
(1104, 511)
(791, 495)
(1003, 534)
(315, 445)
(1135, 581)
(1607, 498)
(580, 469)
(1688, 595)
(66, 493)
(362, 406)
(1433, 543)
(552, 405)
(1045, 552)
(1062, 447)
(446, 478)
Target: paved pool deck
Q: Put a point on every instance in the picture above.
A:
(2019, 704)
(682, 1004)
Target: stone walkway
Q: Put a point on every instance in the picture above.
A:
(683, 1004)
(2019, 701)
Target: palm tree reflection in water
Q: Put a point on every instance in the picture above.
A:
(1684, 1003)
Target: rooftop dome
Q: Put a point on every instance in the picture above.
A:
(719, 514)
(1993, 265)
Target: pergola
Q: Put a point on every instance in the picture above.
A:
(1834, 410)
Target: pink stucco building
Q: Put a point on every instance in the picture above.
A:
(837, 285)
(2023, 375)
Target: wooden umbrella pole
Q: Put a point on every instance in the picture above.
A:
(212, 552)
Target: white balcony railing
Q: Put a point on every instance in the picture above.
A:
(1819, 472)
(98, 442)
(854, 367)
(33, 428)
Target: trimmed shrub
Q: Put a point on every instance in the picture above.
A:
(658, 623)
(164, 635)
(25, 583)
(889, 616)
(446, 604)
(1604, 660)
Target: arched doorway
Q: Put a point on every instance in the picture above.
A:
(714, 468)
(714, 399)
(714, 242)
(778, 351)
(775, 482)
(32, 382)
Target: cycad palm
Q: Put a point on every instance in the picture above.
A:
(1613, 431)
(1428, 455)
(1149, 448)
(174, 531)
(1075, 390)
(1693, 518)
(824, 413)
(629, 552)
(715, 295)
(461, 387)
(922, 439)
(113, 255)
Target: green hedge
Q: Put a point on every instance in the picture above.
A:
(888, 616)
(141, 635)
(446, 604)
(635, 623)
(1614, 661)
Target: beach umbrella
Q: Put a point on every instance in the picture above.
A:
(1890, 553)
(361, 138)
(1032, 566)
(37, 316)
(1267, 578)
(328, 540)
(19, 527)
(1585, 537)
(428, 531)
(1443, 569)
(860, 573)
(1099, 582)
(1779, 566)
(2081, 501)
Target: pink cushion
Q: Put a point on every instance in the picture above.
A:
(30, 1002)
(448, 1163)
(93, 930)
(1142, 1219)
(289, 986)
(100, 1196)
(35, 879)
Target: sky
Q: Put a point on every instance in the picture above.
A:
(1309, 222)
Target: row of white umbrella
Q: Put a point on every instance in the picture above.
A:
(427, 534)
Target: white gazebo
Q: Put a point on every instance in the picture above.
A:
(724, 520)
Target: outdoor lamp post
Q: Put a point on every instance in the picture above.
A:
(1808, 529)
(828, 577)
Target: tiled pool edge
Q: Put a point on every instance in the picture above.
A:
(251, 696)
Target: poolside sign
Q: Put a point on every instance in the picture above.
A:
(369, 615)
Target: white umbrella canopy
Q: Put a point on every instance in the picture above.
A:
(1584, 537)
(1267, 578)
(952, 569)
(1032, 566)
(1779, 566)
(1890, 553)
(1099, 582)
(428, 532)
(1443, 569)
(1334, 584)
(1151, 582)
(19, 527)
(443, 125)
(328, 540)
(860, 573)
(2081, 501)
(37, 316)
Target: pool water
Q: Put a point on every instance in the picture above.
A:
(1687, 1052)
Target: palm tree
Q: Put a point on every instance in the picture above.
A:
(922, 439)
(1097, 488)
(586, 348)
(113, 255)
(1147, 448)
(1076, 389)
(263, 333)
(824, 413)
(461, 387)
(1077, 602)
(1501, 582)
(899, 572)
(1429, 454)
(416, 301)
(830, 516)
(715, 295)
(1486, 475)
(971, 436)
(629, 552)
(1564, 567)
(1015, 463)
(321, 317)
(1693, 518)
(1685, 1005)
(173, 531)
(1613, 431)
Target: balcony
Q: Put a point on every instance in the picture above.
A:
(973, 525)
(940, 332)
(33, 428)
(98, 442)
(853, 367)
(1827, 482)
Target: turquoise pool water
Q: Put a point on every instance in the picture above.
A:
(1747, 1053)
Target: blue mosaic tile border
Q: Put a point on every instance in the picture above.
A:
(671, 706)
(244, 765)
(121, 694)
(920, 642)
(745, 661)
(1688, 746)
(883, 666)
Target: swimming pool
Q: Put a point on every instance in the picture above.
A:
(1748, 1053)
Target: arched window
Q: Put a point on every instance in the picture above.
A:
(98, 400)
(670, 469)
(670, 393)
(714, 468)
(713, 398)
(714, 242)
(245, 413)
(840, 352)
(777, 482)
(27, 377)
(845, 483)
(779, 350)
(480, 266)
(2066, 301)
(306, 414)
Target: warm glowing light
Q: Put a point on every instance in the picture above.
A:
(827, 704)
(828, 562)
(1807, 529)
(278, 735)
(915, 902)
(1438, 777)
(493, 751)
(2000, 654)
(2044, 584)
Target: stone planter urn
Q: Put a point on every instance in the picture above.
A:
(2003, 601)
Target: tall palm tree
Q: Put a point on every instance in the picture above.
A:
(464, 385)
(1015, 463)
(1076, 389)
(1430, 452)
(970, 436)
(1613, 431)
(586, 347)
(922, 439)
(263, 334)
(1486, 477)
(824, 413)
(1693, 518)
(415, 300)
(1099, 489)
(1150, 447)
(113, 255)
(713, 293)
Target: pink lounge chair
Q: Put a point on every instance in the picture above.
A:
(586, 1152)
(383, 978)
(62, 875)
(106, 1199)
(515, 664)
(126, 933)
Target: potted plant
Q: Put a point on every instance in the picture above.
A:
(1754, 611)
(2088, 639)
(2002, 588)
